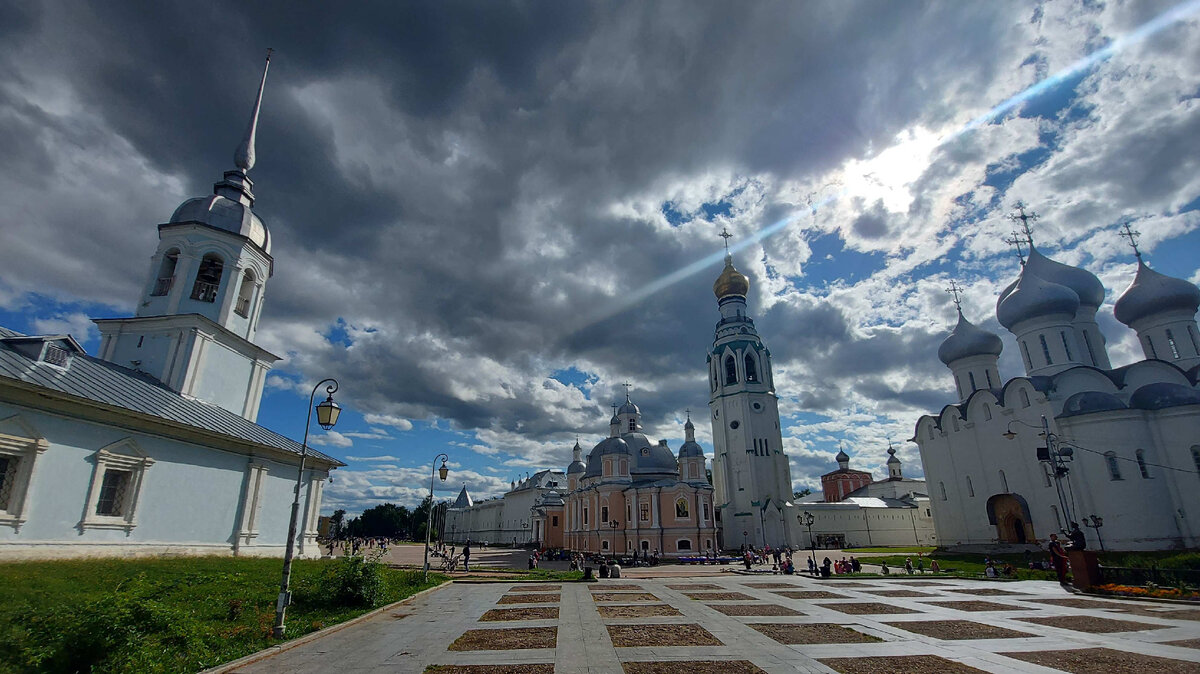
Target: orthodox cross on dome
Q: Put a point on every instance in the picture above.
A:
(689, 414)
(627, 386)
(727, 236)
(954, 290)
(1017, 240)
(1024, 218)
(1128, 233)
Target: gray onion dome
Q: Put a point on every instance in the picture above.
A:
(1033, 297)
(1153, 293)
(968, 340)
(220, 212)
(691, 449)
(629, 408)
(1083, 282)
(892, 456)
(842, 456)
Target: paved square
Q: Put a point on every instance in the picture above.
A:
(645, 627)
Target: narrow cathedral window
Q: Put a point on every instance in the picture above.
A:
(208, 279)
(970, 488)
(1150, 348)
(958, 384)
(1003, 483)
(1195, 339)
(8, 474)
(1171, 343)
(1066, 345)
(1196, 457)
(987, 412)
(988, 375)
(644, 512)
(1025, 352)
(1088, 343)
(603, 513)
(112, 493)
(942, 488)
(1114, 469)
(166, 273)
(730, 371)
(971, 375)
(1024, 398)
(1141, 460)
(245, 293)
(1045, 349)
(751, 370)
(1057, 517)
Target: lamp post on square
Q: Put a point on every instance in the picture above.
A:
(440, 472)
(807, 519)
(327, 416)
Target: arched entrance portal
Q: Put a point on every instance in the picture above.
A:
(1010, 514)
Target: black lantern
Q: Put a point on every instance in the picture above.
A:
(328, 412)
(443, 471)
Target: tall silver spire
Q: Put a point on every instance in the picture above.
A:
(243, 157)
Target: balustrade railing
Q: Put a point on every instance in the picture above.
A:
(162, 286)
(205, 292)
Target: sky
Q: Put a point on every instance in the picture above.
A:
(487, 216)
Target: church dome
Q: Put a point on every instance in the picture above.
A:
(842, 456)
(731, 281)
(627, 408)
(1083, 282)
(576, 467)
(223, 213)
(1153, 293)
(1033, 297)
(892, 456)
(968, 340)
(691, 449)
(606, 447)
(1086, 402)
(650, 459)
(1160, 395)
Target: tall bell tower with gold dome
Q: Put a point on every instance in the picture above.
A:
(751, 475)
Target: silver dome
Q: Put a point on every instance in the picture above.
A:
(691, 449)
(1033, 297)
(629, 408)
(1153, 293)
(1083, 282)
(224, 213)
(968, 340)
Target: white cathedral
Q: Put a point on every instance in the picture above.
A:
(152, 447)
(1075, 438)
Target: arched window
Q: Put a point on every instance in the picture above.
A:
(683, 544)
(970, 488)
(681, 507)
(730, 371)
(1114, 468)
(208, 279)
(954, 419)
(632, 424)
(987, 412)
(1141, 459)
(1196, 457)
(971, 375)
(1066, 345)
(166, 273)
(942, 489)
(988, 375)
(1024, 395)
(1171, 343)
(1045, 349)
(958, 385)
(1025, 352)
(751, 370)
(1150, 348)
(1003, 482)
(245, 295)
(603, 545)
(1088, 343)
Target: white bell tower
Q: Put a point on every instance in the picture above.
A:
(194, 326)
(751, 475)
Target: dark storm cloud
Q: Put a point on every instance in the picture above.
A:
(446, 173)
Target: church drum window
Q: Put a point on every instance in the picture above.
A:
(970, 488)
(166, 273)
(681, 508)
(1025, 352)
(245, 295)
(1003, 482)
(208, 279)
(1141, 462)
(1087, 342)
(1196, 457)
(942, 489)
(730, 371)
(971, 375)
(1114, 468)
(1066, 345)
(988, 375)
(751, 369)
(1150, 348)
(1045, 349)
(704, 510)
(1171, 343)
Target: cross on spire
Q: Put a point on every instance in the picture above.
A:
(1024, 218)
(1128, 233)
(1016, 240)
(627, 386)
(954, 290)
(727, 236)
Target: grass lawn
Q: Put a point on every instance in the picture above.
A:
(898, 551)
(169, 615)
(969, 565)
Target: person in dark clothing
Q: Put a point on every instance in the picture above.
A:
(467, 556)
(1058, 557)
(1078, 540)
(825, 570)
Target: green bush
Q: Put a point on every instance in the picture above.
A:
(352, 581)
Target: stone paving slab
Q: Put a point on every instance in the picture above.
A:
(433, 621)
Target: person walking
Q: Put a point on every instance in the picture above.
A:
(467, 556)
(1058, 557)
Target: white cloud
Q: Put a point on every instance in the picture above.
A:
(398, 423)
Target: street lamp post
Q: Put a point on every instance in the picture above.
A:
(614, 524)
(807, 519)
(1095, 522)
(1056, 455)
(327, 416)
(441, 472)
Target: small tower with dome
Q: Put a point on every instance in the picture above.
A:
(1162, 311)
(971, 353)
(194, 326)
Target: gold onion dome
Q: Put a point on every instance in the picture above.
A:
(731, 281)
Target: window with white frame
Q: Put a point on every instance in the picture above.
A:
(116, 486)
(20, 448)
(644, 512)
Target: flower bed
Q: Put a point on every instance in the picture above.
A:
(1150, 592)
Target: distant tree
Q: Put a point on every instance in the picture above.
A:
(335, 523)
(802, 493)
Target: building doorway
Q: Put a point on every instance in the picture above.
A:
(1009, 513)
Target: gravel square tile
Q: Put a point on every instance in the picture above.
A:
(959, 629)
(693, 667)
(1184, 643)
(867, 608)
(642, 611)
(537, 587)
(816, 633)
(624, 636)
(605, 587)
(770, 585)
(506, 640)
(491, 669)
(695, 586)
(719, 596)
(988, 592)
(1091, 624)
(753, 609)
(809, 594)
(1087, 660)
(624, 596)
(531, 613)
(540, 598)
(977, 605)
(1074, 602)
(900, 593)
(898, 664)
